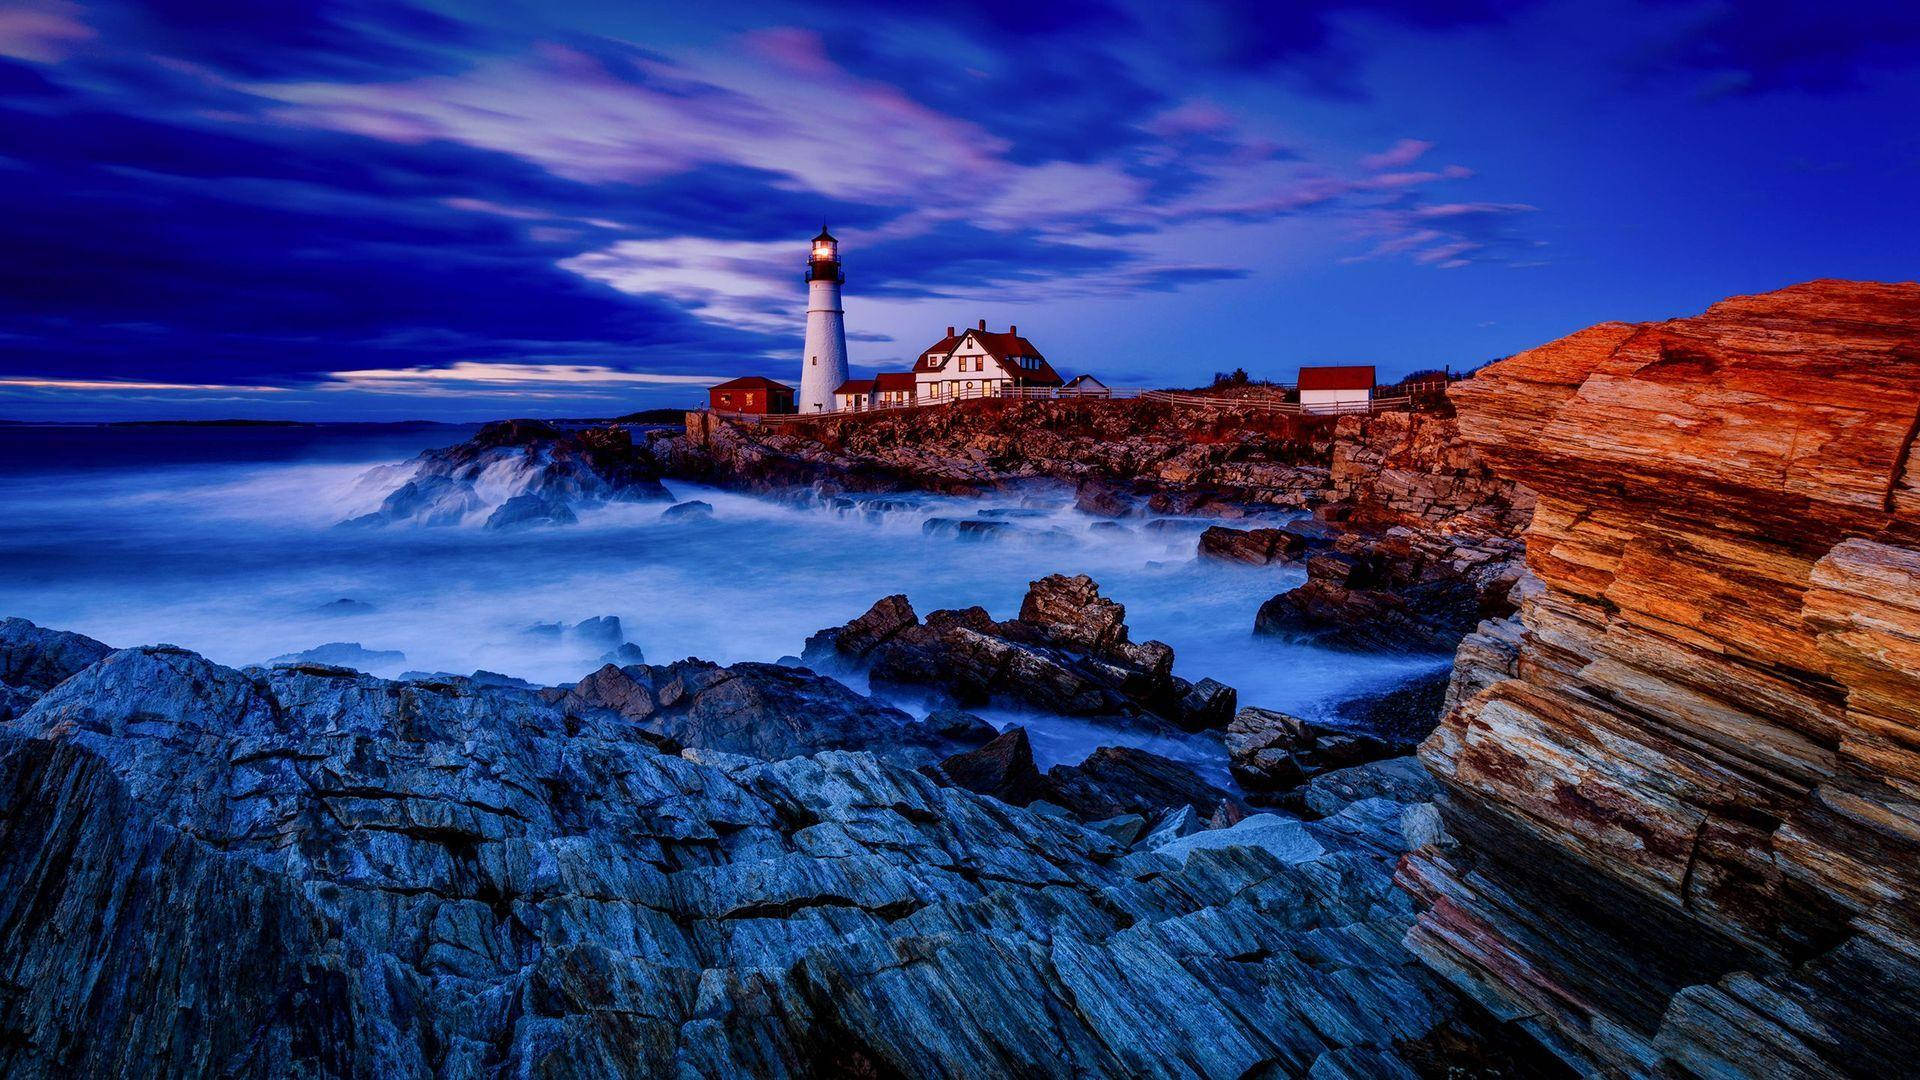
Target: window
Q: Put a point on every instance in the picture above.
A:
(749, 399)
(815, 361)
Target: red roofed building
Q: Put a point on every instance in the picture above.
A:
(892, 389)
(1347, 388)
(854, 395)
(977, 363)
(753, 394)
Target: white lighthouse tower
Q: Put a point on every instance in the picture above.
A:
(824, 364)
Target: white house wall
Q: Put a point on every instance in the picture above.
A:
(1334, 400)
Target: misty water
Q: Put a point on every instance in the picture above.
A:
(223, 540)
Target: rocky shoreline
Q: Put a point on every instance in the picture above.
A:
(1665, 825)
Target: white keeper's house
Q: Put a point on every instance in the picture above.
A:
(977, 362)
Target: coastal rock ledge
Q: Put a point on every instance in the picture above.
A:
(1689, 802)
(309, 872)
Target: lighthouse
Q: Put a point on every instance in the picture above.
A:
(824, 363)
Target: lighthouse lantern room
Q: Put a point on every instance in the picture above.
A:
(824, 362)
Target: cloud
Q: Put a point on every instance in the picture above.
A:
(1401, 154)
(1767, 46)
(43, 35)
(469, 376)
(65, 385)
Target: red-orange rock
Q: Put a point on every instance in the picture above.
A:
(1712, 729)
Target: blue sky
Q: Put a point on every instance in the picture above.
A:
(376, 209)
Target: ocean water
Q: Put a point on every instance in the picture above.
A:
(223, 540)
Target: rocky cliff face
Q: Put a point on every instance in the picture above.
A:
(1279, 460)
(1689, 791)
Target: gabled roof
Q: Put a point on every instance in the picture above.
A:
(1347, 377)
(942, 347)
(855, 386)
(1003, 347)
(752, 382)
(893, 381)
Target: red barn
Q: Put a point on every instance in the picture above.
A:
(1345, 388)
(752, 394)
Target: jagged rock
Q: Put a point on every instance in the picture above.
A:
(1067, 653)
(691, 510)
(1103, 499)
(318, 873)
(1208, 704)
(1271, 752)
(1003, 769)
(1116, 780)
(626, 655)
(427, 500)
(1124, 829)
(1400, 779)
(547, 471)
(963, 728)
(1172, 825)
(344, 654)
(1074, 613)
(1255, 546)
(1403, 591)
(964, 528)
(1284, 838)
(531, 509)
(601, 630)
(1685, 805)
(38, 659)
(1399, 717)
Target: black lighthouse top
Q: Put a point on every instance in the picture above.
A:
(824, 263)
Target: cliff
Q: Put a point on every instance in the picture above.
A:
(1145, 445)
(1687, 784)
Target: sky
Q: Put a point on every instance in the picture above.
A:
(388, 209)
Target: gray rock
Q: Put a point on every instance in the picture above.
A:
(529, 509)
(312, 872)
(692, 510)
(34, 659)
(1285, 839)
(1401, 779)
(345, 654)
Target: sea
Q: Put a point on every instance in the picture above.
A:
(225, 539)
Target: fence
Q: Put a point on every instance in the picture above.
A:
(1394, 403)
(1276, 405)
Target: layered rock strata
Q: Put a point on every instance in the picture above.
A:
(1689, 792)
(311, 872)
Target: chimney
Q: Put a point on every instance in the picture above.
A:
(949, 331)
(1012, 330)
(983, 324)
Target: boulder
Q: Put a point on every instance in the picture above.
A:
(1400, 779)
(1257, 547)
(529, 509)
(1103, 499)
(1207, 705)
(1002, 769)
(692, 510)
(1117, 780)
(426, 500)
(34, 659)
